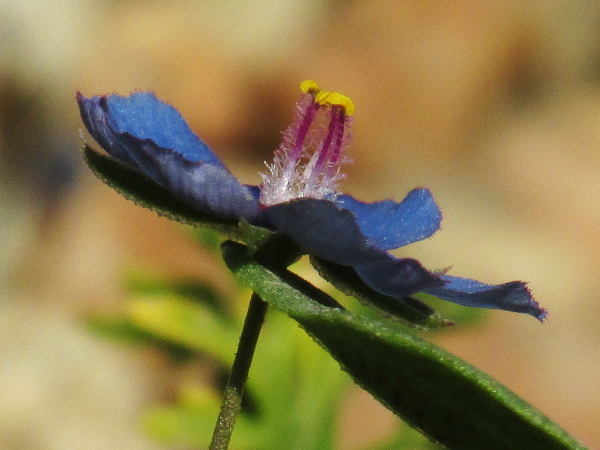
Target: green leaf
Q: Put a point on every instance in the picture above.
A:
(124, 331)
(447, 399)
(146, 284)
(297, 389)
(289, 373)
(191, 421)
(187, 323)
(141, 190)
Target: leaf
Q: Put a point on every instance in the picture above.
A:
(297, 388)
(146, 284)
(447, 399)
(187, 323)
(288, 373)
(141, 190)
(191, 421)
(124, 331)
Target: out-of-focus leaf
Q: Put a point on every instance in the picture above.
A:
(296, 388)
(119, 329)
(123, 330)
(407, 438)
(209, 239)
(140, 283)
(187, 323)
(447, 399)
(191, 421)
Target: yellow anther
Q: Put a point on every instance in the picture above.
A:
(334, 98)
(327, 98)
(309, 86)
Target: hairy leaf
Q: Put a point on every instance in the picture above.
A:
(447, 399)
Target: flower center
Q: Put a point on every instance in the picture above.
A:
(308, 161)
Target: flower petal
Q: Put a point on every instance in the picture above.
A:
(389, 225)
(206, 187)
(152, 137)
(322, 229)
(142, 116)
(396, 277)
(513, 296)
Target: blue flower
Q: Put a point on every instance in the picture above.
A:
(299, 194)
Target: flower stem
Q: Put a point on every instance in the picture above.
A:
(232, 398)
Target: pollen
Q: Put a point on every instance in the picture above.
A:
(335, 99)
(309, 86)
(327, 98)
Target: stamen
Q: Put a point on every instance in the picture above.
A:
(318, 136)
(334, 98)
(328, 154)
(308, 86)
(303, 128)
(336, 129)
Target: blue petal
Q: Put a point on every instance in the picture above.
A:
(152, 137)
(389, 225)
(143, 116)
(396, 277)
(322, 229)
(513, 296)
(206, 187)
(254, 190)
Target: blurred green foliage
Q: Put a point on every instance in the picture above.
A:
(295, 388)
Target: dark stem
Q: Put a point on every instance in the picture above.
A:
(232, 399)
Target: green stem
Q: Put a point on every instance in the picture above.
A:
(232, 398)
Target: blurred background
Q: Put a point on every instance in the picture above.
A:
(493, 105)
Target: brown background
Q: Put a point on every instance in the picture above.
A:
(494, 105)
